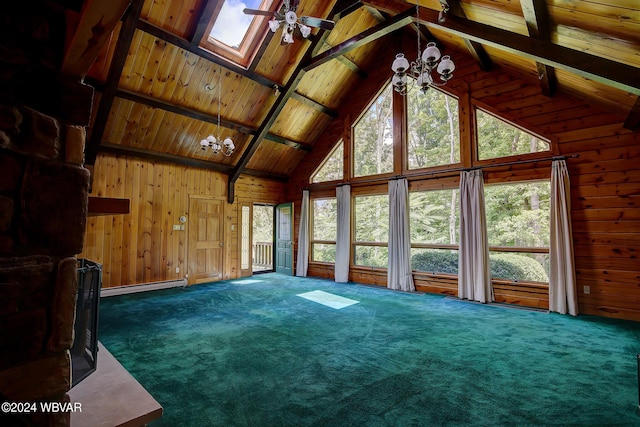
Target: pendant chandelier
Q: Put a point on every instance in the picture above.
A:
(422, 69)
(216, 144)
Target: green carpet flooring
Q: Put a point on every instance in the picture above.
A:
(251, 352)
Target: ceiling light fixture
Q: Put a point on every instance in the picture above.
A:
(423, 67)
(227, 146)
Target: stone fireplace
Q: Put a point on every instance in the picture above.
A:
(43, 208)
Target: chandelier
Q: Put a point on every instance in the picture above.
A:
(422, 69)
(216, 144)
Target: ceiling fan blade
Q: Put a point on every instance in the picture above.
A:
(258, 12)
(323, 24)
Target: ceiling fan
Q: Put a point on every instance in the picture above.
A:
(287, 16)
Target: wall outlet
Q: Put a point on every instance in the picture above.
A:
(176, 226)
(177, 269)
(587, 289)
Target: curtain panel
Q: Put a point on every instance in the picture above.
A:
(343, 197)
(302, 263)
(474, 276)
(562, 277)
(399, 275)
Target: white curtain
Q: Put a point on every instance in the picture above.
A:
(303, 237)
(562, 275)
(343, 196)
(474, 276)
(399, 275)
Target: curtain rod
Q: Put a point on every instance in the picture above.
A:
(442, 171)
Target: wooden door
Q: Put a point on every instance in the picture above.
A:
(206, 243)
(284, 233)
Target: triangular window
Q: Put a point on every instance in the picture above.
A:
(497, 138)
(332, 168)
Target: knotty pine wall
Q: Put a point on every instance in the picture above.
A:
(142, 247)
(605, 184)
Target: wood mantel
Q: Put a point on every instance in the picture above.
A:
(107, 206)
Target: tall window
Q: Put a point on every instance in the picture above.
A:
(518, 230)
(433, 129)
(332, 168)
(435, 224)
(373, 138)
(497, 138)
(371, 234)
(325, 222)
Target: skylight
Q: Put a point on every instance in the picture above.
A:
(234, 35)
(232, 24)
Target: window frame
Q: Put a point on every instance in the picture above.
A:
(518, 249)
(312, 240)
(553, 145)
(355, 243)
(352, 145)
(405, 151)
(255, 35)
(329, 155)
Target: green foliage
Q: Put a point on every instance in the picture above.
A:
(433, 137)
(373, 138)
(497, 138)
(518, 214)
(371, 256)
(262, 223)
(325, 219)
(435, 261)
(323, 252)
(504, 266)
(517, 267)
(434, 216)
(332, 169)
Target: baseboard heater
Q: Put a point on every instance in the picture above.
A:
(499, 304)
(131, 289)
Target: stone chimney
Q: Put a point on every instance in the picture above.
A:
(43, 210)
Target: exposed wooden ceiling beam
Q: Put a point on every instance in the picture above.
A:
(633, 119)
(615, 74)
(400, 20)
(185, 161)
(288, 142)
(185, 44)
(315, 104)
(115, 70)
(198, 115)
(97, 22)
(204, 14)
(535, 15)
(350, 64)
(475, 49)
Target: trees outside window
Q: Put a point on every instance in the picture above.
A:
(497, 138)
(433, 129)
(435, 224)
(518, 230)
(371, 234)
(332, 168)
(324, 225)
(373, 138)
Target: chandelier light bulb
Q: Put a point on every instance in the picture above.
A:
(274, 25)
(446, 68)
(400, 64)
(431, 54)
(304, 30)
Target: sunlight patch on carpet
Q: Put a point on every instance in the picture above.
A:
(330, 300)
(247, 281)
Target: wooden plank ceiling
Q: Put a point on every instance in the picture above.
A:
(158, 90)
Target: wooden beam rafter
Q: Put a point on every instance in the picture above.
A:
(535, 15)
(184, 161)
(115, 70)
